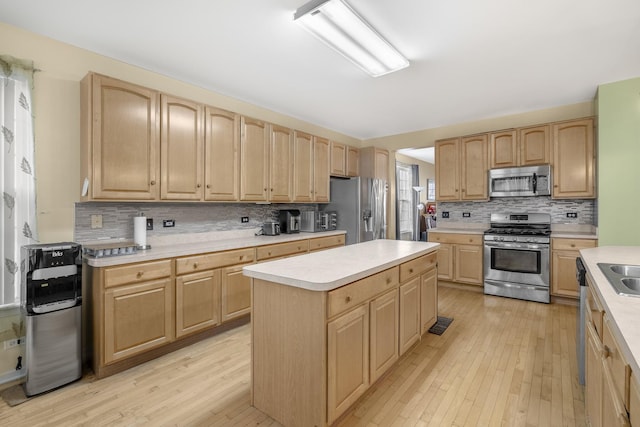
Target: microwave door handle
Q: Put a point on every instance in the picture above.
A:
(535, 183)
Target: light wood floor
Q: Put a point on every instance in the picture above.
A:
(501, 362)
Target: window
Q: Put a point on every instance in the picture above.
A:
(406, 200)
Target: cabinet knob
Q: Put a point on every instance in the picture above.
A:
(573, 245)
(140, 274)
(153, 182)
(606, 352)
(195, 265)
(411, 270)
(555, 186)
(198, 186)
(388, 280)
(347, 299)
(208, 186)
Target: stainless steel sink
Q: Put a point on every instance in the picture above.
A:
(624, 278)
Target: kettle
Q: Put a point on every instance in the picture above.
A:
(271, 228)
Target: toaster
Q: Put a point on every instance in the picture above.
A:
(271, 228)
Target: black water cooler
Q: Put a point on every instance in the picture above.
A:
(51, 300)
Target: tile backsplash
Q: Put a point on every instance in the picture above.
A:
(117, 217)
(480, 212)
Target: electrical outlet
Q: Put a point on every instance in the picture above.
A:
(96, 221)
(11, 343)
(168, 223)
(466, 214)
(572, 214)
(445, 214)
(244, 219)
(149, 223)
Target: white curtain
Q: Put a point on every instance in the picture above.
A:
(17, 179)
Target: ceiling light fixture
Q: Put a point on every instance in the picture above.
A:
(340, 27)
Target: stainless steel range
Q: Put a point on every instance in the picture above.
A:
(516, 256)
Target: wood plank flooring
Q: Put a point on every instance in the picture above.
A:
(501, 362)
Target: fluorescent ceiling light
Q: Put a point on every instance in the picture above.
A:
(340, 27)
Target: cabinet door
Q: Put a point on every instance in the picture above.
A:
(338, 159)
(321, 170)
(353, 161)
(534, 145)
(381, 164)
(445, 262)
(573, 159)
(613, 411)
(125, 141)
(236, 293)
(197, 302)
(384, 333)
(254, 160)
(302, 167)
(222, 155)
(348, 360)
(563, 277)
(468, 264)
(181, 149)
(281, 166)
(447, 169)
(409, 314)
(428, 300)
(593, 377)
(503, 149)
(137, 318)
(474, 165)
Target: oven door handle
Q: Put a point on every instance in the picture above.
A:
(516, 245)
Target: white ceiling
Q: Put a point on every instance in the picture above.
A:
(470, 59)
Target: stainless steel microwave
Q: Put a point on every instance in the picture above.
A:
(524, 181)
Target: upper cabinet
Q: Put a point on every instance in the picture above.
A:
(338, 159)
(222, 155)
(281, 164)
(254, 160)
(461, 168)
(181, 149)
(374, 163)
(573, 151)
(519, 147)
(353, 161)
(303, 156)
(120, 148)
(321, 163)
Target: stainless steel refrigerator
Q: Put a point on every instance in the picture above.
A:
(361, 206)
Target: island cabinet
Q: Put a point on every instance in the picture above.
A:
(303, 377)
(460, 257)
(608, 397)
(563, 265)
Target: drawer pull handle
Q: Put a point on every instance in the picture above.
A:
(606, 352)
(411, 270)
(347, 299)
(573, 245)
(140, 273)
(388, 280)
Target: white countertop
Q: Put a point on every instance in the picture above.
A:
(200, 243)
(330, 269)
(623, 310)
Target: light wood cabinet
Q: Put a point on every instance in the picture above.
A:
(353, 161)
(197, 302)
(534, 145)
(384, 329)
(321, 243)
(254, 160)
(461, 168)
(608, 395)
(428, 300)
(320, 170)
(503, 149)
(573, 151)
(222, 155)
(120, 131)
(409, 314)
(303, 156)
(236, 293)
(563, 265)
(338, 159)
(348, 360)
(181, 149)
(374, 163)
(634, 400)
(281, 164)
(460, 257)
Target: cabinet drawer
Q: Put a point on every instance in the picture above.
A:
(355, 293)
(417, 266)
(614, 360)
(281, 249)
(455, 238)
(210, 261)
(134, 273)
(572, 244)
(326, 242)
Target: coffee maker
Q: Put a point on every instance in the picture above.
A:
(289, 221)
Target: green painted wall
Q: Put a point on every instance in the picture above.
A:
(618, 107)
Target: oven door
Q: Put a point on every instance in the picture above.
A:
(526, 263)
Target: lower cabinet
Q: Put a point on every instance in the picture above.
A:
(428, 300)
(409, 314)
(383, 330)
(197, 302)
(236, 293)
(460, 257)
(563, 265)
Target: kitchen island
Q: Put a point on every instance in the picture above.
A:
(328, 325)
